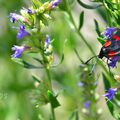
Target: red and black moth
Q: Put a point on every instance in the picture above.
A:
(111, 48)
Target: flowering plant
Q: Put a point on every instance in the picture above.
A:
(44, 29)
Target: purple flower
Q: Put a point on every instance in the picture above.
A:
(54, 3)
(47, 41)
(14, 17)
(18, 51)
(22, 32)
(29, 11)
(113, 61)
(87, 104)
(109, 31)
(110, 93)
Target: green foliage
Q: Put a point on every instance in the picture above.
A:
(52, 98)
(88, 6)
(81, 19)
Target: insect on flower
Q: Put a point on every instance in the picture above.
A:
(111, 48)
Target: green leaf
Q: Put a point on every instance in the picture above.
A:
(25, 64)
(18, 60)
(101, 40)
(111, 107)
(36, 78)
(54, 102)
(38, 60)
(106, 82)
(97, 27)
(88, 6)
(81, 20)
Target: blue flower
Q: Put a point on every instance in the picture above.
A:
(18, 51)
(14, 17)
(22, 32)
(47, 41)
(113, 61)
(29, 11)
(56, 2)
(87, 104)
(109, 31)
(110, 93)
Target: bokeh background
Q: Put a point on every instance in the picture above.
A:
(16, 83)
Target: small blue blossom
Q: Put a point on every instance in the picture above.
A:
(109, 31)
(110, 93)
(14, 17)
(87, 104)
(113, 61)
(22, 32)
(47, 41)
(29, 11)
(54, 3)
(18, 51)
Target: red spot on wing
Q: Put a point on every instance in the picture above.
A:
(111, 54)
(116, 37)
(107, 43)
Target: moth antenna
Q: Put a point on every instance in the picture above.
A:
(90, 59)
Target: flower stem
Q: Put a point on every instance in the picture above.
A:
(77, 30)
(53, 113)
(49, 80)
(84, 40)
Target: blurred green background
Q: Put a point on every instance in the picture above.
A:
(16, 83)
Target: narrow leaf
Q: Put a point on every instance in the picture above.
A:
(54, 102)
(19, 61)
(106, 82)
(97, 27)
(111, 107)
(25, 64)
(101, 40)
(88, 6)
(38, 60)
(36, 78)
(81, 20)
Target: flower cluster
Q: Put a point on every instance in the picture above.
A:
(30, 21)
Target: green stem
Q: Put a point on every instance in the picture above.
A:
(53, 113)
(84, 40)
(49, 78)
(77, 30)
